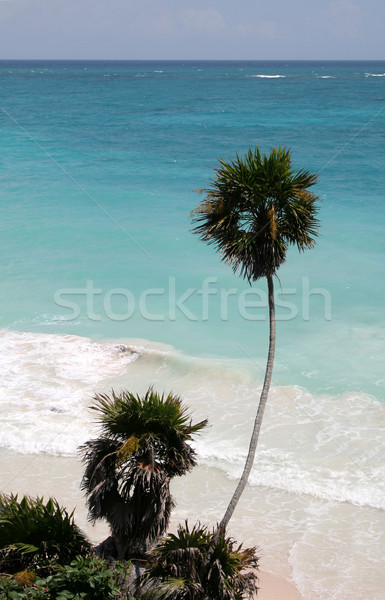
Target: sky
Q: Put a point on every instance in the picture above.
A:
(182, 29)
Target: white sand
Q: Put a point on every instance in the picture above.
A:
(272, 587)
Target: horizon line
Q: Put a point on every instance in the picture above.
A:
(309, 60)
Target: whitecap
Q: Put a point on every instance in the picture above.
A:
(268, 76)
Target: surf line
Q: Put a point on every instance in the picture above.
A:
(339, 448)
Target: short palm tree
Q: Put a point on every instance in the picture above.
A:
(33, 532)
(200, 565)
(144, 443)
(256, 207)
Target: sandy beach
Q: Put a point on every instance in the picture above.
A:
(270, 519)
(272, 587)
(40, 474)
(47, 475)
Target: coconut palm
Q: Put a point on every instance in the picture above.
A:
(33, 532)
(256, 207)
(199, 565)
(144, 442)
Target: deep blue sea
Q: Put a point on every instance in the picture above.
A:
(101, 164)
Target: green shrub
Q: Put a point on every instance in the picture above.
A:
(11, 589)
(85, 578)
(33, 533)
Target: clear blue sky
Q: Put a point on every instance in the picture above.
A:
(182, 29)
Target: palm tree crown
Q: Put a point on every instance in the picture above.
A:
(255, 208)
(155, 427)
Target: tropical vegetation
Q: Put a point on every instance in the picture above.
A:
(144, 443)
(199, 564)
(85, 578)
(33, 533)
(256, 207)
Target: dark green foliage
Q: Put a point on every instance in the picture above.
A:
(155, 420)
(85, 578)
(200, 565)
(10, 589)
(144, 444)
(88, 578)
(33, 532)
(256, 206)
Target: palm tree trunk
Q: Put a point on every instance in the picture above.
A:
(122, 545)
(261, 409)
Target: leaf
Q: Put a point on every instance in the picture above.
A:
(24, 548)
(50, 506)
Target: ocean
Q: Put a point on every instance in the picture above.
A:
(104, 286)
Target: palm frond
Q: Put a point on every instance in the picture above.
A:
(145, 442)
(206, 563)
(256, 206)
(32, 530)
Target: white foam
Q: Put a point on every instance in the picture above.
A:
(269, 76)
(326, 447)
(281, 472)
(374, 74)
(47, 383)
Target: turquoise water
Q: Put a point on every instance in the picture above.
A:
(99, 165)
(104, 285)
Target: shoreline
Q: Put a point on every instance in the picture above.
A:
(64, 485)
(267, 518)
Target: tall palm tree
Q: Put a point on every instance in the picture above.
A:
(256, 207)
(144, 442)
